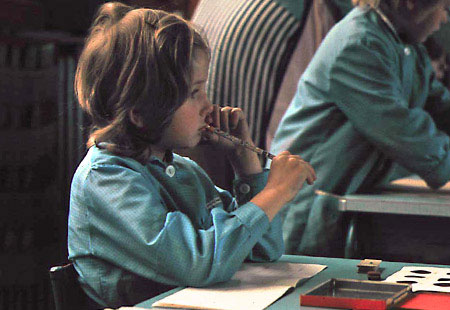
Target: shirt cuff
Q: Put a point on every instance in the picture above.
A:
(439, 176)
(245, 188)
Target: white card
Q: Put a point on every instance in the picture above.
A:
(432, 279)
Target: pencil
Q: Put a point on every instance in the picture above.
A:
(241, 142)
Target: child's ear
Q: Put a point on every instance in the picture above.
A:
(135, 118)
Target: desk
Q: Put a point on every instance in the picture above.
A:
(409, 196)
(337, 268)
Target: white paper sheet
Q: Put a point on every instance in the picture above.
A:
(254, 287)
(418, 184)
(432, 279)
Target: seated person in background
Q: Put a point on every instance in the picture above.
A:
(438, 57)
(143, 219)
(322, 16)
(367, 108)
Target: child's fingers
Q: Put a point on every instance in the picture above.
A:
(310, 179)
(215, 115)
(311, 173)
(236, 115)
(308, 171)
(224, 118)
(284, 153)
(308, 166)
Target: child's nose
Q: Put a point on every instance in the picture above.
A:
(446, 15)
(208, 107)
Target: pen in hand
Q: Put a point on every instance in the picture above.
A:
(240, 142)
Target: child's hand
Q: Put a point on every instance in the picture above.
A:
(287, 175)
(232, 121)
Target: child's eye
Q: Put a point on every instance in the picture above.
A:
(193, 93)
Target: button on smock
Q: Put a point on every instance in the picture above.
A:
(244, 188)
(170, 171)
(407, 51)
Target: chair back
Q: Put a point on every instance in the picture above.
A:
(67, 292)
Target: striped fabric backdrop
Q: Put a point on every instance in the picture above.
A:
(250, 50)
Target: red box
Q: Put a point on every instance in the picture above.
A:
(355, 294)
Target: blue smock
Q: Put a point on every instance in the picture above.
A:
(136, 230)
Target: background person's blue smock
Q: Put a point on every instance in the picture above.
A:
(367, 105)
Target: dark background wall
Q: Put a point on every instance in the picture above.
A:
(42, 135)
(70, 16)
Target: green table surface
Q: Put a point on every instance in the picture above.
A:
(336, 268)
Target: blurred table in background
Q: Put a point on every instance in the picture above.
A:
(408, 196)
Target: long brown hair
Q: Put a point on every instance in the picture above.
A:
(134, 60)
(394, 4)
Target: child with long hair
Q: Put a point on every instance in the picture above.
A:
(142, 218)
(368, 110)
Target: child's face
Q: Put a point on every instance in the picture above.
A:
(440, 66)
(426, 22)
(190, 119)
